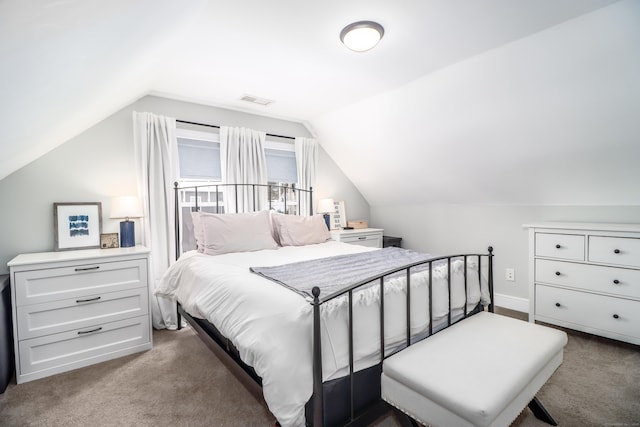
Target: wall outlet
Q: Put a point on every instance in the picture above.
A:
(510, 274)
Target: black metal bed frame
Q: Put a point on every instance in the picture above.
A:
(354, 399)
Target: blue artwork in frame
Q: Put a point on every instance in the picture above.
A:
(77, 225)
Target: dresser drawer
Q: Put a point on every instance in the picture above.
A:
(370, 240)
(82, 347)
(59, 316)
(587, 311)
(596, 278)
(615, 250)
(561, 246)
(82, 280)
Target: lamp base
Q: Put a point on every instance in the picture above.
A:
(127, 234)
(327, 218)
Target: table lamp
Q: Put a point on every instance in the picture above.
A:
(325, 206)
(126, 207)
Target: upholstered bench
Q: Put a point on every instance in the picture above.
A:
(482, 371)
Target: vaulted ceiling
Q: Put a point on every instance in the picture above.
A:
(481, 101)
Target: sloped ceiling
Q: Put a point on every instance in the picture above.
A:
(492, 98)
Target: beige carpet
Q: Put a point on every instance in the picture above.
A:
(181, 383)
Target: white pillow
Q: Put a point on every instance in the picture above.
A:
(198, 231)
(294, 230)
(241, 232)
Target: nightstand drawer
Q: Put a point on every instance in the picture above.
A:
(587, 311)
(561, 246)
(82, 280)
(611, 280)
(371, 237)
(371, 240)
(82, 347)
(615, 250)
(59, 316)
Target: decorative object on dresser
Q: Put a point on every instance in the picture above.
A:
(586, 276)
(109, 241)
(126, 207)
(358, 223)
(76, 308)
(77, 225)
(364, 236)
(339, 218)
(390, 241)
(326, 208)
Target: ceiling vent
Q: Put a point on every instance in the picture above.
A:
(256, 100)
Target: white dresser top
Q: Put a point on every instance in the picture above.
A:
(358, 230)
(592, 226)
(74, 255)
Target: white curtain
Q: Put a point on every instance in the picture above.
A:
(243, 162)
(157, 168)
(307, 164)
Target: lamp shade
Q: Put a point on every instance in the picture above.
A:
(325, 205)
(126, 207)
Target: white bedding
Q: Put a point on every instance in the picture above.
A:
(271, 325)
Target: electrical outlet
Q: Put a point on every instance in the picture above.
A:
(510, 274)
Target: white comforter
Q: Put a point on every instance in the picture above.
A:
(271, 325)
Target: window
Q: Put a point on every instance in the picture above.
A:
(281, 171)
(199, 160)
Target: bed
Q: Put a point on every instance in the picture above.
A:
(310, 320)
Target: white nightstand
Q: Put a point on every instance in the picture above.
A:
(76, 308)
(371, 237)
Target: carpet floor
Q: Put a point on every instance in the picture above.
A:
(180, 382)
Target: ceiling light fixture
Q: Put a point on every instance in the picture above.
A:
(362, 35)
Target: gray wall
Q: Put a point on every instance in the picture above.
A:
(98, 164)
(447, 229)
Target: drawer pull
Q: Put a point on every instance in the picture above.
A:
(558, 246)
(90, 332)
(361, 238)
(88, 268)
(88, 300)
(557, 304)
(615, 316)
(616, 251)
(616, 281)
(557, 273)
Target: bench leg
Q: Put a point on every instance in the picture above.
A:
(404, 419)
(540, 412)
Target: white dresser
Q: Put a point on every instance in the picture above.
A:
(371, 237)
(586, 276)
(76, 308)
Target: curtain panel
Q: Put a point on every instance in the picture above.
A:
(157, 168)
(307, 164)
(243, 162)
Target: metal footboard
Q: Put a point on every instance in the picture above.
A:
(318, 390)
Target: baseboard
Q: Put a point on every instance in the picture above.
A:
(512, 303)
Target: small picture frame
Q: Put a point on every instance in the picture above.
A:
(338, 218)
(77, 225)
(109, 240)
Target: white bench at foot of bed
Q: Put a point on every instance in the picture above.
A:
(482, 371)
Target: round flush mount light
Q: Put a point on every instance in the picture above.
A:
(362, 35)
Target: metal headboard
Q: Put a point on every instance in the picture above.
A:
(298, 194)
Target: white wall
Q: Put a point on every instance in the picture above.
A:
(98, 164)
(446, 229)
(550, 119)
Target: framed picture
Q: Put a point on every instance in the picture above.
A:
(338, 218)
(109, 240)
(77, 225)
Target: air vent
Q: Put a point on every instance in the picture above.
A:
(256, 100)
